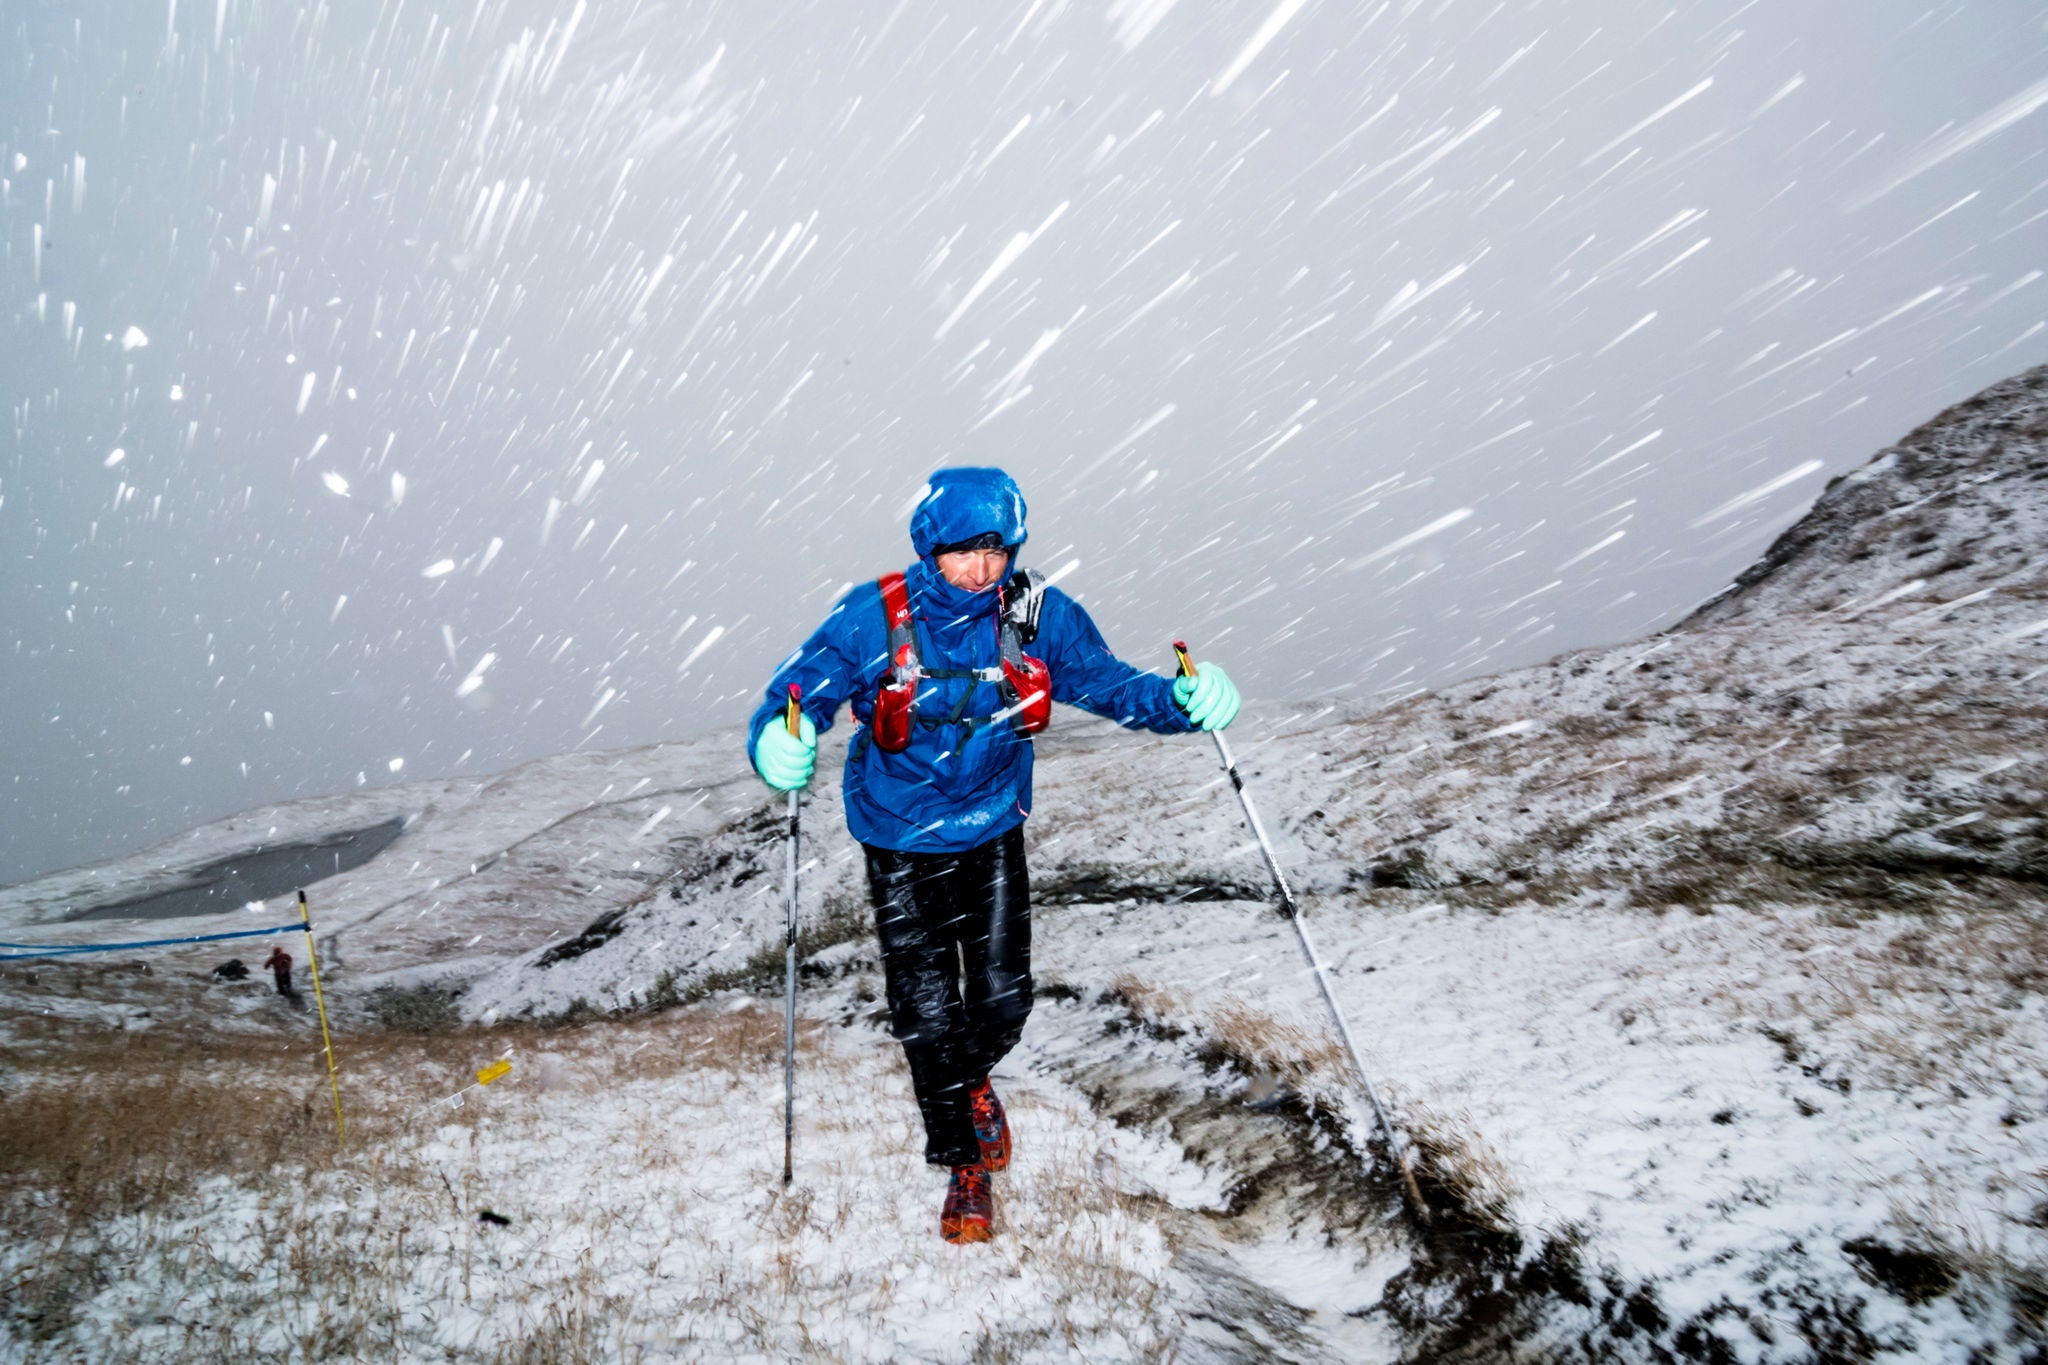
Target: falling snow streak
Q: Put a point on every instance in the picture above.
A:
(1442, 523)
(1005, 258)
(1758, 493)
(1249, 53)
(1987, 125)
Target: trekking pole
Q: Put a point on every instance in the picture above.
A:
(313, 960)
(1397, 1140)
(792, 716)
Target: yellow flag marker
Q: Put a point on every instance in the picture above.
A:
(493, 1071)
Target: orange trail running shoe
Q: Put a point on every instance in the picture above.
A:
(991, 1125)
(967, 1216)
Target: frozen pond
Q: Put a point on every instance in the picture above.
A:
(258, 874)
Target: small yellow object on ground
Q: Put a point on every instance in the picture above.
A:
(493, 1071)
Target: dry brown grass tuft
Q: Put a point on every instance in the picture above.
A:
(121, 1128)
(1287, 1052)
(1460, 1170)
(1461, 1173)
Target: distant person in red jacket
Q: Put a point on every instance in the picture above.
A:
(280, 963)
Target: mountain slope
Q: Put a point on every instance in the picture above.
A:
(1955, 508)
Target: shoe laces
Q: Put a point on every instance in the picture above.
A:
(981, 1102)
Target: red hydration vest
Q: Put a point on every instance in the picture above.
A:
(1025, 682)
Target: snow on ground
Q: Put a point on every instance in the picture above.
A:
(637, 1174)
(1712, 1106)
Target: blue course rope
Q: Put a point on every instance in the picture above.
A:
(47, 951)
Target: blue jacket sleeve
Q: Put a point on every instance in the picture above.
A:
(1087, 675)
(827, 667)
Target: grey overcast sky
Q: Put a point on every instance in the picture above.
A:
(401, 388)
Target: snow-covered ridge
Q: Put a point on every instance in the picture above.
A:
(1958, 507)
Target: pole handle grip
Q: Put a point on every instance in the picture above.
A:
(1183, 659)
(792, 714)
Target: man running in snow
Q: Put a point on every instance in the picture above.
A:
(279, 964)
(938, 784)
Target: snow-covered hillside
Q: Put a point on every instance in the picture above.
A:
(1707, 968)
(1954, 509)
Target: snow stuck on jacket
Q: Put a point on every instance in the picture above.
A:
(1705, 969)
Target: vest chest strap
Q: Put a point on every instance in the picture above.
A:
(994, 675)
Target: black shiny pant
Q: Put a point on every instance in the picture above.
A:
(956, 952)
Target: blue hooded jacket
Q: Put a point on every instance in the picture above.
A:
(953, 788)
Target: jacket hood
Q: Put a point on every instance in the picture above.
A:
(965, 502)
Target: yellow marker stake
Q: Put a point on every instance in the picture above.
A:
(327, 1039)
(493, 1071)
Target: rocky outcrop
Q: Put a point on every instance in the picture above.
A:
(1960, 506)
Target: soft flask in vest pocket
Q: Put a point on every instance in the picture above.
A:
(1031, 681)
(895, 708)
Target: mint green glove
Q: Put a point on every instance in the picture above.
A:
(1209, 698)
(784, 762)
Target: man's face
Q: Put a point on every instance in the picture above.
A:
(974, 570)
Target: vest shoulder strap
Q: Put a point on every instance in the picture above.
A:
(1022, 598)
(902, 633)
(895, 599)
